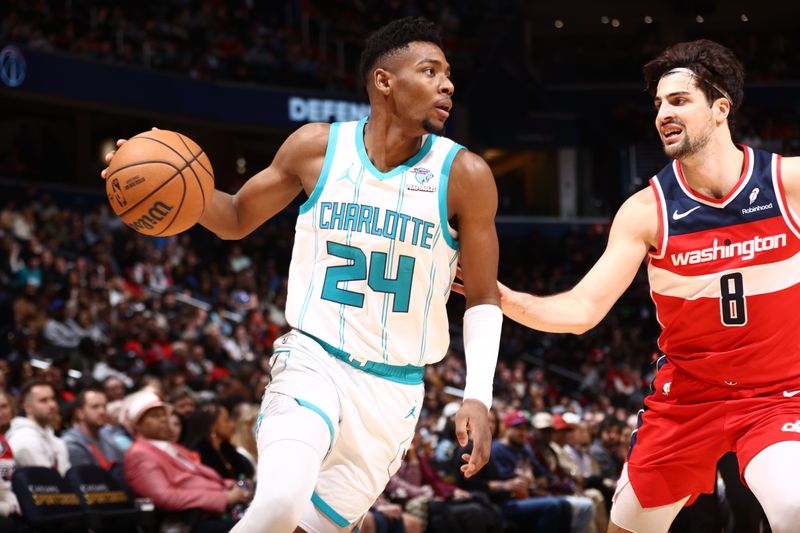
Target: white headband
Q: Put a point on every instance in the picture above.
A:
(690, 72)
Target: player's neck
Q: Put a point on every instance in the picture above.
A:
(388, 144)
(714, 171)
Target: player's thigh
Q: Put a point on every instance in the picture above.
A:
(774, 477)
(378, 420)
(627, 514)
(305, 373)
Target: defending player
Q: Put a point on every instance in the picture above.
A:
(720, 230)
(391, 205)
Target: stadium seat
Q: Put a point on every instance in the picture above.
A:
(107, 504)
(47, 501)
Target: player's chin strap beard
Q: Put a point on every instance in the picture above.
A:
(690, 72)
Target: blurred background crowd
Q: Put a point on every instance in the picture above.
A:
(108, 338)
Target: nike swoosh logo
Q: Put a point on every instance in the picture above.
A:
(678, 216)
(787, 394)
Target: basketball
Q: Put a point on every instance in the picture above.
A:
(159, 183)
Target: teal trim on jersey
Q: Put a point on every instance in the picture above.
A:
(444, 177)
(310, 290)
(328, 511)
(259, 419)
(277, 354)
(449, 285)
(320, 412)
(330, 152)
(402, 167)
(348, 240)
(385, 314)
(428, 300)
(398, 452)
(405, 375)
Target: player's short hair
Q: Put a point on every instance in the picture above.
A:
(718, 72)
(395, 36)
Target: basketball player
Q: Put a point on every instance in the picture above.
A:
(391, 206)
(720, 230)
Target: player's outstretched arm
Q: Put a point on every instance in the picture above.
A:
(633, 232)
(472, 200)
(296, 166)
(297, 161)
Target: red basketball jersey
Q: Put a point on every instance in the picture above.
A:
(725, 278)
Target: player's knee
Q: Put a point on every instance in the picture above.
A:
(282, 511)
(301, 426)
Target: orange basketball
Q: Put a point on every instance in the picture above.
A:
(159, 183)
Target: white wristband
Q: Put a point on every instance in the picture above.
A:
(483, 325)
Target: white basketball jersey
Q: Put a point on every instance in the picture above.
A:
(374, 255)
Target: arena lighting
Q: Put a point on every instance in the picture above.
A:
(241, 165)
(559, 24)
(699, 19)
(615, 23)
(648, 19)
(744, 17)
(604, 20)
(106, 145)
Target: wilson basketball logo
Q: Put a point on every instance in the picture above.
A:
(152, 217)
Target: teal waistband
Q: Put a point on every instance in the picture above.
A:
(407, 375)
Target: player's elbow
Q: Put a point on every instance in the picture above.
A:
(230, 235)
(586, 317)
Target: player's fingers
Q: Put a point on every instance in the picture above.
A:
(103, 173)
(110, 155)
(481, 446)
(461, 430)
(120, 142)
(458, 287)
(153, 128)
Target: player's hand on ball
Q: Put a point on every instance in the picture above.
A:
(158, 182)
(110, 155)
(472, 421)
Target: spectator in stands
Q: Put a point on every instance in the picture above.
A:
(114, 388)
(183, 401)
(61, 340)
(246, 415)
(9, 506)
(31, 436)
(606, 448)
(8, 501)
(167, 473)
(387, 517)
(88, 441)
(208, 431)
(563, 425)
(509, 480)
(8, 410)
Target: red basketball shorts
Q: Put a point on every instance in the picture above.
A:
(687, 425)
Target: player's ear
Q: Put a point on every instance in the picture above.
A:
(382, 79)
(723, 109)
